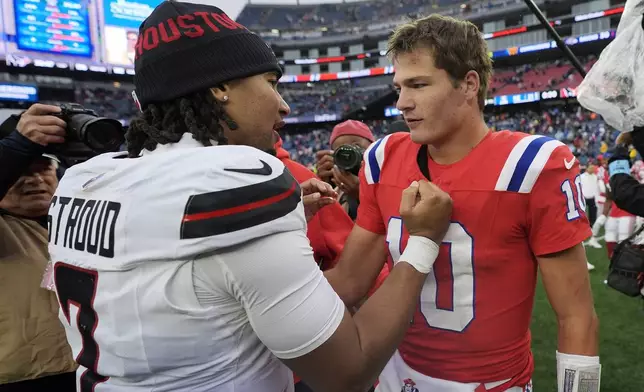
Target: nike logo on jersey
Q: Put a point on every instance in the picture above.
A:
(265, 170)
(569, 164)
(92, 180)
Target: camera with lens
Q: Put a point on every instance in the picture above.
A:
(87, 134)
(348, 157)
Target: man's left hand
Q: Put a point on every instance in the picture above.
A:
(315, 195)
(347, 182)
(620, 162)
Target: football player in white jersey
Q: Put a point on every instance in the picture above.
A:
(183, 264)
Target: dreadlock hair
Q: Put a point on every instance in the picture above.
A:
(197, 113)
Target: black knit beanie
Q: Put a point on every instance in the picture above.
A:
(185, 47)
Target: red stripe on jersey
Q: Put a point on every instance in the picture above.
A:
(241, 208)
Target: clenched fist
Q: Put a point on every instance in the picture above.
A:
(38, 125)
(426, 210)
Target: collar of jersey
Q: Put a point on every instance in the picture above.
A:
(186, 141)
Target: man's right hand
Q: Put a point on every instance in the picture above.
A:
(325, 165)
(38, 125)
(426, 210)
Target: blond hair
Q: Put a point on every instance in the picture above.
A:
(456, 45)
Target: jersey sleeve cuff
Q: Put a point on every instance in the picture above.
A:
(552, 246)
(325, 334)
(374, 227)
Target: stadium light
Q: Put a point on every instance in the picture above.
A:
(553, 33)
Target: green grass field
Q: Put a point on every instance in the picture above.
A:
(621, 335)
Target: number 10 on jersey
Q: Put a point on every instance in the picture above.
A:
(574, 204)
(460, 261)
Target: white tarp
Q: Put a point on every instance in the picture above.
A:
(614, 87)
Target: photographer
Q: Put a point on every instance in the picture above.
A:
(627, 192)
(25, 139)
(34, 353)
(613, 88)
(340, 165)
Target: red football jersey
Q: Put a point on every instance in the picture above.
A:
(515, 196)
(615, 212)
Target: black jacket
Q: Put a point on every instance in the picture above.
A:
(626, 191)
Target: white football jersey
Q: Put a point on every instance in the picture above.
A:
(123, 235)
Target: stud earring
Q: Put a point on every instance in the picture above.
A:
(225, 98)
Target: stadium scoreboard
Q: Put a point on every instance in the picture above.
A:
(53, 26)
(80, 35)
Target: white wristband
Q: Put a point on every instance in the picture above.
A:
(577, 372)
(421, 253)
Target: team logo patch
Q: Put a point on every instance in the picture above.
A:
(409, 386)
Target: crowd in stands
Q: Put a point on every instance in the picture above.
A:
(341, 97)
(584, 132)
(344, 96)
(338, 98)
(344, 17)
(537, 77)
(113, 101)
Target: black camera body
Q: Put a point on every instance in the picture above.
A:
(87, 134)
(348, 157)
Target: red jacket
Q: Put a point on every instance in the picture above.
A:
(330, 227)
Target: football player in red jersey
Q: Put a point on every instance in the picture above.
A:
(620, 224)
(517, 207)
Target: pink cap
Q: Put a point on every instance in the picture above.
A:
(354, 128)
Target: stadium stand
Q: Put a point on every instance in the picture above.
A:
(340, 18)
(109, 100)
(338, 97)
(537, 77)
(581, 130)
(344, 96)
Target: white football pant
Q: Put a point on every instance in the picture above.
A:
(619, 229)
